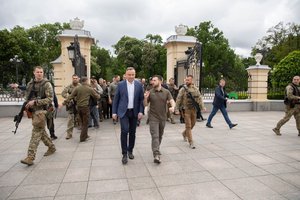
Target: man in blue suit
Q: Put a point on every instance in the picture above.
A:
(128, 106)
(220, 102)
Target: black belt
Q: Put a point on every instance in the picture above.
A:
(130, 109)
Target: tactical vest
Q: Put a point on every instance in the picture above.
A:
(296, 92)
(38, 89)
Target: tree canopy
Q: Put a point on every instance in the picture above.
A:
(218, 57)
(35, 46)
(278, 43)
(38, 46)
(286, 69)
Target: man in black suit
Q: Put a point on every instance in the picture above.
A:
(128, 106)
(220, 102)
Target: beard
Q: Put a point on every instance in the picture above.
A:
(156, 86)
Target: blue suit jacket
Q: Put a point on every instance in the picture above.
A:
(220, 97)
(120, 102)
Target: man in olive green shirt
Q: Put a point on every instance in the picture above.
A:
(158, 98)
(83, 93)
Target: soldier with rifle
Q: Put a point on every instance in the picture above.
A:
(190, 99)
(71, 105)
(50, 116)
(39, 95)
(292, 105)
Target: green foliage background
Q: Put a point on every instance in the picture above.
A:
(38, 45)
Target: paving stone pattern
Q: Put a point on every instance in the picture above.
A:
(247, 162)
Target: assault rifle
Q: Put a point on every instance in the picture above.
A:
(18, 117)
(194, 102)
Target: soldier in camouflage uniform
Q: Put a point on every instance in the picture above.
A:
(111, 92)
(39, 96)
(70, 108)
(174, 91)
(292, 105)
(190, 112)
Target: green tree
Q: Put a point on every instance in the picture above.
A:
(149, 59)
(36, 46)
(218, 58)
(129, 52)
(102, 63)
(158, 55)
(288, 67)
(43, 38)
(154, 39)
(147, 56)
(278, 43)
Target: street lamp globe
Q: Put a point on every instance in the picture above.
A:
(16, 60)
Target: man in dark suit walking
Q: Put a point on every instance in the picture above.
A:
(220, 102)
(128, 106)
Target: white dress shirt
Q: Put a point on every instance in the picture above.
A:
(130, 89)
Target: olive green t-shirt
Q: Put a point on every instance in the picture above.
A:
(158, 104)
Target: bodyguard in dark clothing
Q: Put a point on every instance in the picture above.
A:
(220, 102)
(128, 106)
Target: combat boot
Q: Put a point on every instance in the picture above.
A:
(173, 121)
(69, 136)
(27, 161)
(184, 136)
(50, 151)
(276, 131)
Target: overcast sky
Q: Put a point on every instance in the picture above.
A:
(243, 22)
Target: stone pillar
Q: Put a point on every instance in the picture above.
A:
(176, 46)
(62, 66)
(258, 85)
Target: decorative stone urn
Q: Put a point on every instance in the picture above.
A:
(181, 29)
(258, 57)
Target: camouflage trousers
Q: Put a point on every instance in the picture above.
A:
(289, 112)
(38, 133)
(71, 124)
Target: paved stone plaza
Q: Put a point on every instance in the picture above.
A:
(247, 162)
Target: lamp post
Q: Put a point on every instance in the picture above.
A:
(194, 57)
(200, 63)
(49, 74)
(77, 59)
(16, 60)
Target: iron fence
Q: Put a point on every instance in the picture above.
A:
(11, 95)
(209, 93)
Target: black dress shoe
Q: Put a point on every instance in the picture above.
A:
(130, 155)
(233, 125)
(209, 126)
(124, 159)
